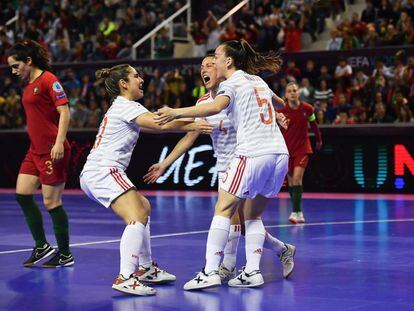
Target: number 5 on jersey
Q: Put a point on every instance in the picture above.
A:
(260, 103)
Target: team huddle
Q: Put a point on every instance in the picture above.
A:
(248, 124)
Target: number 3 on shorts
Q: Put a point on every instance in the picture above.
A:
(49, 167)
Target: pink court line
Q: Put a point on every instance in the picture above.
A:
(282, 195)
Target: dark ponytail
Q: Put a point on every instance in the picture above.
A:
(250, 61)
(29, 48)
(112, 76)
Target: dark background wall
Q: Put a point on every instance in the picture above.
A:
(376, 159)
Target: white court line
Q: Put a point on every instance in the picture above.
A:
(158, 236)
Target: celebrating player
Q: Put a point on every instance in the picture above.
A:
(104, 180)
(260, 160)
(224, 145)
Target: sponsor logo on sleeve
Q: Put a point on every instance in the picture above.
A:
(57, 87)
(60, 96)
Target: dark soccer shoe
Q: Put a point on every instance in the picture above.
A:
(38, 254)
(59, 260)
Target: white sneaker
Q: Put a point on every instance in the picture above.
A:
(252, 279)
(203, 280)
(132, 286)
(226, 274)
(297, 218)
(301, 218)
(286, 258)
(154, 274)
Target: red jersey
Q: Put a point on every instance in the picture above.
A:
(293, 41)
(296, 135)
(40, 99)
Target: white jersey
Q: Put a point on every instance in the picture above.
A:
(252, 115)
(223, 135)
(117, 136)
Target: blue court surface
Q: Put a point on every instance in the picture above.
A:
(356, 252)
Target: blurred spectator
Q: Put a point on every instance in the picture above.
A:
(293, 34)
(323, 93)
(321, 117)
(199, 90)
(358, 113)
(306, 91)
(310, 71)
(335, 42)
(325, 75)
(292, 72)
(213, 30)
(200, 39)
(371, 37)
(369, 14)
(106, 26)
(404, 115)
(380, 115)
(163, 45)
(350, 41)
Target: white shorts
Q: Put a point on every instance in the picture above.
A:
(248, 177)
(105, 184)
(221, 178)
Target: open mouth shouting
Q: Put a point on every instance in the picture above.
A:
(206, 79)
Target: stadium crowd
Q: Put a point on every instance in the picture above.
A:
(77, 31)
(80, 30)
(340, 96)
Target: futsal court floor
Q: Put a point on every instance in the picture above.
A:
(355, 252)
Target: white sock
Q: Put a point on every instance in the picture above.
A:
(255, 236)
(145, 256)
(131, 243)
(216, 241)
(230, 251)
(273, 244)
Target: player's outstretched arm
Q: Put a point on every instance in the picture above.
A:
(156, 170)
(146, 120)
(166, 114)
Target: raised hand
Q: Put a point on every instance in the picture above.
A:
(154, 172)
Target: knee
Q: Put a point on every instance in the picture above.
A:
(147, 205)
(50, 202)
(139, 213)
(251, 214)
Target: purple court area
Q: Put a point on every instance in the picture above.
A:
(355, 252)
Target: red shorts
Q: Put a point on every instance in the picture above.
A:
(301, 160)
(41, 165)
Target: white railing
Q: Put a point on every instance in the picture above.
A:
(151, 35)
(15, 18)
(153, 32)
(230, 13)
